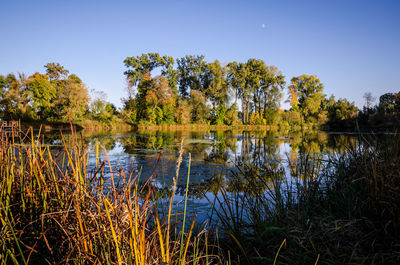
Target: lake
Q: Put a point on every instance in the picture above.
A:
(214, 155)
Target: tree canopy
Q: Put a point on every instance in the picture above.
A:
(164, 90)
(53, 96)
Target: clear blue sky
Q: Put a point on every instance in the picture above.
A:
(353, 46)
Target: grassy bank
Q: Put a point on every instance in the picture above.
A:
(113, 124)
(54, 209)
(88, 124)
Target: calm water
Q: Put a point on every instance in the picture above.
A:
(213, 154)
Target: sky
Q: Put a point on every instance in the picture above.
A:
(353, 46)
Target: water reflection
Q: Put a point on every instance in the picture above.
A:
(219, 158)
(215, 154)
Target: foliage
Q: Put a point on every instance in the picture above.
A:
(55, 209)
(15, 97)
(129, 110)
(220, 116)
(42, 93)
(389, 103)
(56, 72)
(182, 112)
(191, 71)
(231, 116)
(153, 99)
(342, 110)
(216, 88)
(292, 117)
(306, 95)
(210, 92)
(139, 66)
(383, 116)
(236, 78)
(100, 109)
(73, 98)
(54, 96)
(200, 111)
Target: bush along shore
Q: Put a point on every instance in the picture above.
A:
(54, 209)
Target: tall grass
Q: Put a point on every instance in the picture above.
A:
(343, 209)
(55, 209)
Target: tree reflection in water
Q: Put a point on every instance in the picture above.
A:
(217, 156)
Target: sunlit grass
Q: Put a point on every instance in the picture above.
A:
(55, 209)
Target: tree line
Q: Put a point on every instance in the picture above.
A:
(53, 96)
(192, 90)
(188, 90)
(382, 115)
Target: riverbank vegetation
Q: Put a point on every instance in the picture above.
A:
(189, 91)
(382, 115)
(195, 91)
(56, 210)
(341, 209)
(55, 98)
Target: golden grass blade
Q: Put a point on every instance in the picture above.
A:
(114, 235)
(277, 253)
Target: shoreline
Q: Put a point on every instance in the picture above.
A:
(224, 127)
(123, 126)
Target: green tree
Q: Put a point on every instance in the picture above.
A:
(231, 116)
(292, 117)
(139, 66)
(220, 115)
(342, 113)
(308, 91)
(54, 96)
(42, 94)
(76, 98)
(170, 73)
(72, 99)
(15, 99)
(216, 88)
(236, 78)
(387, 103)
(55, 71)
(259, 88)
(272, 85)
(200, 110)
(129, 110)
(192, 70)
(182, 113)
(3, 85)
(153, 99)
(255, 70)
(98, 106)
